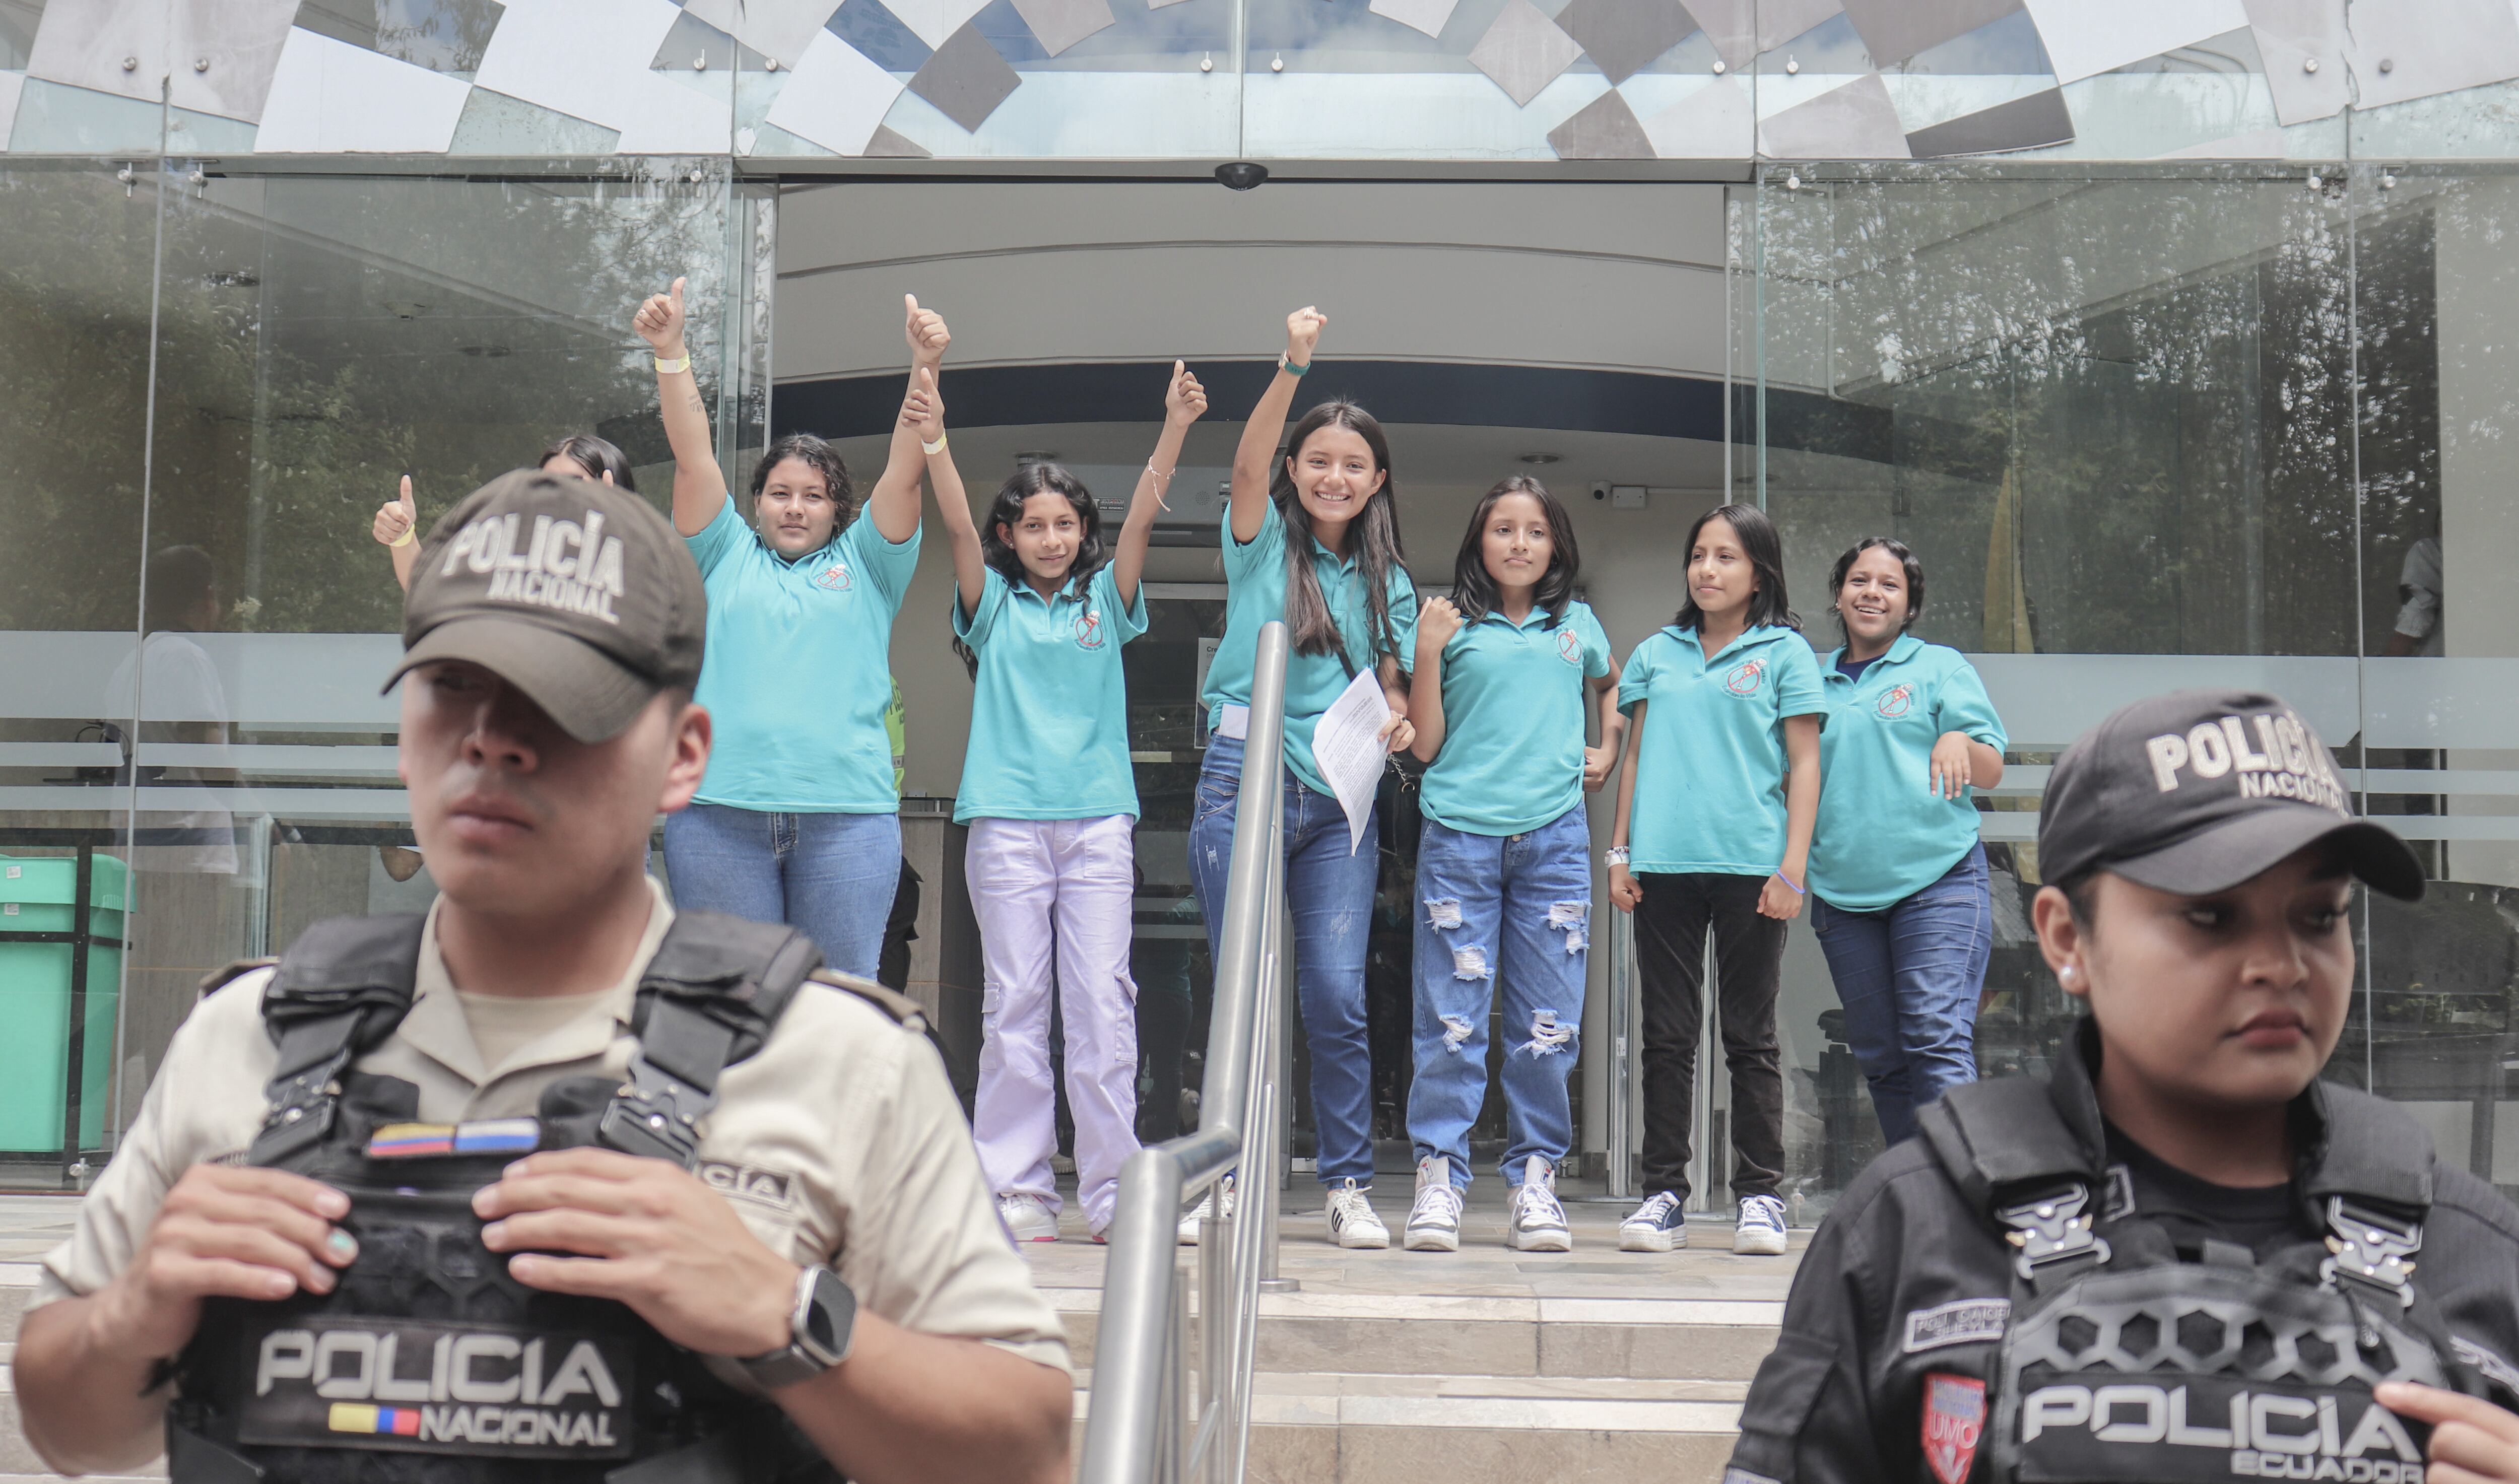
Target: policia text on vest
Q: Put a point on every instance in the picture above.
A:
(2181, 1256)
(714, 1218)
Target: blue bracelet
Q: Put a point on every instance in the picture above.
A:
(1788, 881)
(1291, 370)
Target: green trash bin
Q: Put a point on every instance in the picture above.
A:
(37, 898)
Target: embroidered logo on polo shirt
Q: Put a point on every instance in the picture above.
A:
(1744, 678)
(835, 577)
(1568, 647)
(749, 1182)
(1088, 628)
(1895, 702)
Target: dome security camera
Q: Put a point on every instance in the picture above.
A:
(1241, 175)
(1601, 489)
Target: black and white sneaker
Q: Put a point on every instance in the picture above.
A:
(1657, 1226)
(1353, 1223)
(1761, 1229)
(1539, 1221)
(1435, 1219)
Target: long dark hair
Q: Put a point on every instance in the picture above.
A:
(824, 458)
(1373, 536)
(1474, 589)
(1766, 552)
(1006, 510)
(596, 456)
(1906, 559)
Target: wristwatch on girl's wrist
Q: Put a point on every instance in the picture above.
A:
(1614, 856)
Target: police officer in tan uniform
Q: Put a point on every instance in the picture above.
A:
(764, 1221)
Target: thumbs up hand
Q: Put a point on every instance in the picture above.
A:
(1185, 400)
(926, 334)
(659, 321)
(396, 518)
(923, 410)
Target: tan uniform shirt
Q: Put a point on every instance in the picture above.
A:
(840, 1140)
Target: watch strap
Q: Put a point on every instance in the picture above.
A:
(821, 1325)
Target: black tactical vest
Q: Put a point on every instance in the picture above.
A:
(428, 1364)
(2126, 1361)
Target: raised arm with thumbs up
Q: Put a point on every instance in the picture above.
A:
(894, 505)
(397, 528)
(1184, 403)
(699, 485)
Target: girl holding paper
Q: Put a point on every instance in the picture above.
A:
(1314, 541)
(1041, 614)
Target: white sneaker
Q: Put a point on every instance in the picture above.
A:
(1353, 1223)
(1435, 1220)
(1761, 1229)
(1028, 1218)
(1538, 1222)
(1205, 1208)
(1657, 1226)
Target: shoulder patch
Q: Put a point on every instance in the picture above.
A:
(1966, 1322)
(219, 978)
(896, 1006)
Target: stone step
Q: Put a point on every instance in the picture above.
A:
(1486, 1335)
(1335, 1427)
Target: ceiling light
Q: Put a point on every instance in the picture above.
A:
(1537, 459)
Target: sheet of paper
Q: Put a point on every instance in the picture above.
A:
(1348, 749)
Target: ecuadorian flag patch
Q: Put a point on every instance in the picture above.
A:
(394, 1422)
(481, 1136)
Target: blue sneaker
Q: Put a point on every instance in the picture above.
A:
(1657, 1226)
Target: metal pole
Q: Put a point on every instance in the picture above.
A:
(1240, 942)
(1124, 1429)
(1620, 1170)
(82, 900)
(1269, 1123)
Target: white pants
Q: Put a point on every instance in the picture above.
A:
(1063, 886)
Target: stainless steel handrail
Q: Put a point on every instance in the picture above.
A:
(1147, 1422)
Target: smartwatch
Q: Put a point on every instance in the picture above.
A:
(820, 1325)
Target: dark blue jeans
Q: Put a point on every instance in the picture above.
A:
(829, 876)
(1329, 892)
(1909, 977)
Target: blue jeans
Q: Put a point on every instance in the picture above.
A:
(1515, 908)
(1911, 975)
(1329, 892)
(829, 876)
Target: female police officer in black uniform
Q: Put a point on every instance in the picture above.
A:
(2182, 1256)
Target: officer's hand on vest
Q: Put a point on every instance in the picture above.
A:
(224, 1232)
(2473, 1441)
(649, 1235)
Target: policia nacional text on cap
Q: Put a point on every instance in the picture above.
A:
(2181, 1256)
(551, 1184)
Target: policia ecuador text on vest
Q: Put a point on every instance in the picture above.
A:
(2056, 1280)
(718, 1219)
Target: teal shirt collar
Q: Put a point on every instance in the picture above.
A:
(1755, 634)
(1901, 649)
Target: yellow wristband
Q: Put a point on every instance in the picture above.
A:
(679, 364)
(406, 538)
(938, 447)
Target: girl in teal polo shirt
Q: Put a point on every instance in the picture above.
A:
(1052, 806)
(799, 820)
(1713, 832)
(1313, 540)
(1898, 875)
(1504, 867)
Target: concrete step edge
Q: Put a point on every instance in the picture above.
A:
(1586, 1415)
(1753, 1313)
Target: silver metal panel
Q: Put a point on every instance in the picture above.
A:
(1717, 121)
(2291, 35)
(1061, 24)
(966, 79)
(2407, 49)
(85, 43)
(1427, 16)
(1780, 21)
(780, 28)
(1856, 121)
(1624, 37)
(2034, 122)
(1894, 30)
(328, 97)
(1605, 129)
(241, 41)
(1524, 51)
(836, 96)
(587, 59)
(2087, 37)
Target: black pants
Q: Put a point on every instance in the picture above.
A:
(1671, 924)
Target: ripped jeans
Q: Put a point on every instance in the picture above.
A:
(1513, 908)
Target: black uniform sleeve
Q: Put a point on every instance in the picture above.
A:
(1808, 1417)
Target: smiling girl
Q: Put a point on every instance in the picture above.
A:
(1898, 875)
(1503, 879)
(1051, 805)
(1314, 541)
(1713, 832)
(799, 820)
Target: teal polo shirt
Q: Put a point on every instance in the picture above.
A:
(1050, 711)
(797, 673)
(1512, 757)
(1883, 835)
(1255, 575)
(1710, 765)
